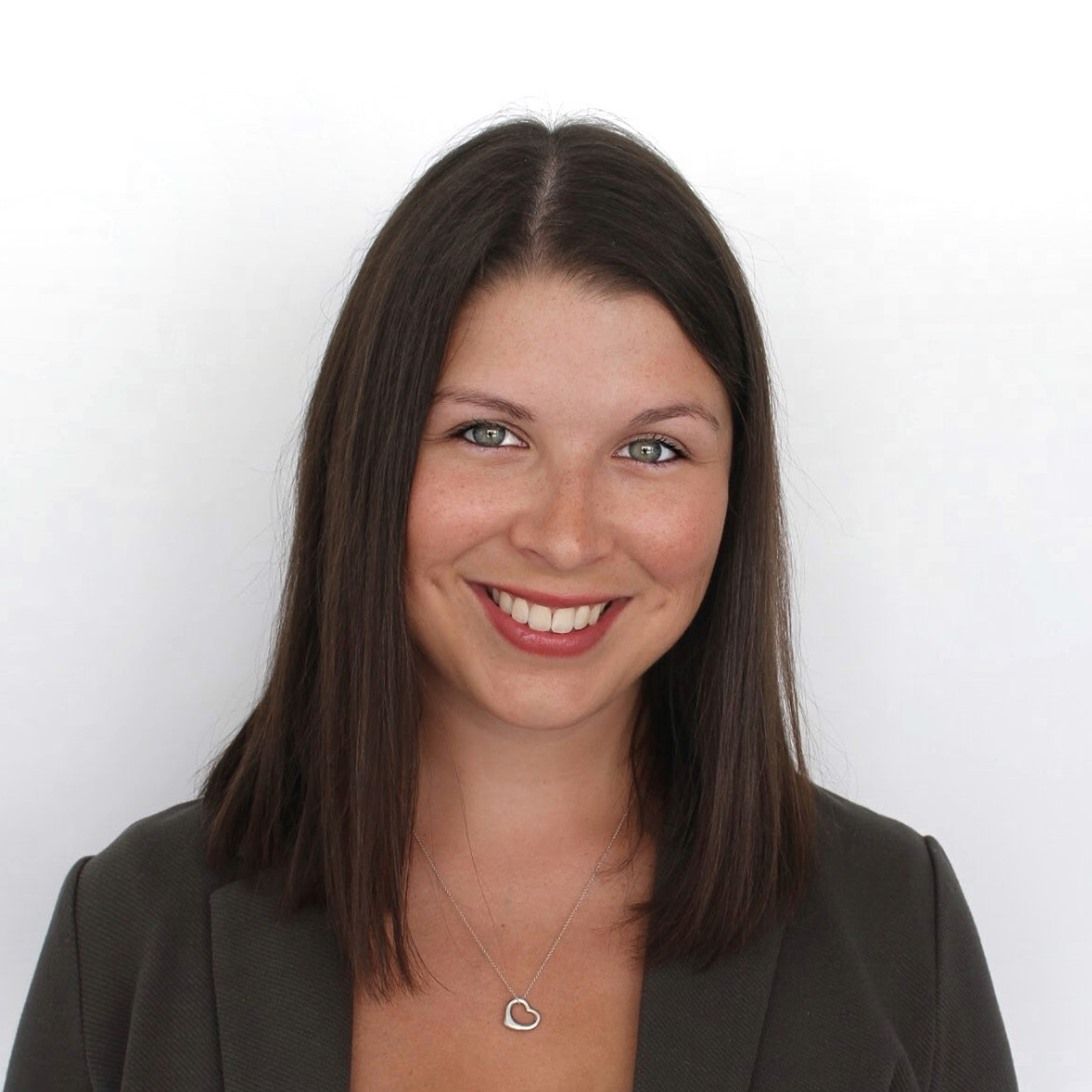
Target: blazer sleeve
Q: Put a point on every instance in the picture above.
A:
(971, 1050)
(48, 1055)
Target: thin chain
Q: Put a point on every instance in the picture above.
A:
(557, 940)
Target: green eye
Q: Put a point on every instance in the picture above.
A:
(653, 446)
(484, 433)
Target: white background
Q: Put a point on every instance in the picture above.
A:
(185, 196)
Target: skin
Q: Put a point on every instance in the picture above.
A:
(524, 756)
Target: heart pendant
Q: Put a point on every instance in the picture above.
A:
(509, 1020)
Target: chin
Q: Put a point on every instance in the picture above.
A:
(538, 716)
(547, 706)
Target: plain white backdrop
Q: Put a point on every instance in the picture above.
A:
(185, 195)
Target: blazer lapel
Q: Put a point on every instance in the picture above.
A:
(700, 1030)
(283, 995)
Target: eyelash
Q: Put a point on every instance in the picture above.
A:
(459, 434)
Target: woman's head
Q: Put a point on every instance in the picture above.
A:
(569, 269)
(589, 207)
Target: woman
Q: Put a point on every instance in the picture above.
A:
(524, 800)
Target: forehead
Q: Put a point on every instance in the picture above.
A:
(558, 341)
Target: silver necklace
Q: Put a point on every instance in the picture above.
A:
(521, 999)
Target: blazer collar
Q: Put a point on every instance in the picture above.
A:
(284, 1005)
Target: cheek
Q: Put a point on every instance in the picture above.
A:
(447, 512)
(680, 537)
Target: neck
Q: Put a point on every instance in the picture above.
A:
(510, 795)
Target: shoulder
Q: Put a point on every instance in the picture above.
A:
(176, 829)
(887, 931)
(156, 862)
(124, 980)
(852, 837)
(862, 941)
(887, 891)
(141, 923)
(875, 878)
(144, 899)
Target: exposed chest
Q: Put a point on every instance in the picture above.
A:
(587, 1040)
(451, 1036)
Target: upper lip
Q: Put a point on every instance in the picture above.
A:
(545, 600)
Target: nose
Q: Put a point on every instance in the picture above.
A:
(564, 521)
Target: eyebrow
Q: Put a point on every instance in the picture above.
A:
(522, 413)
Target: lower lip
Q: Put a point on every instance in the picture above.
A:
(548, 644)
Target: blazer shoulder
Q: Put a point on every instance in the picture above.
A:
(153, 862)
(888, 898)
(876, 870)
(850, 828)
(150, 884)
(127, 959)
(856, 828)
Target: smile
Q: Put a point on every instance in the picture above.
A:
(543, 619)
(545, 631)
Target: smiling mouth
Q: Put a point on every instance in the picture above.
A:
(558, 632)
(545, 619)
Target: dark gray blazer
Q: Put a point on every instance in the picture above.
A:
(157, 976)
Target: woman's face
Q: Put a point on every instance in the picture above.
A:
(557, 493)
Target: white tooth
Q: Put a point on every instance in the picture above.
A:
(539, 618)
(543, 619)
(563, 620)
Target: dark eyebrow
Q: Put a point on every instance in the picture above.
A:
(521, 413)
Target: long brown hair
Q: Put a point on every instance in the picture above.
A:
(318, 787)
